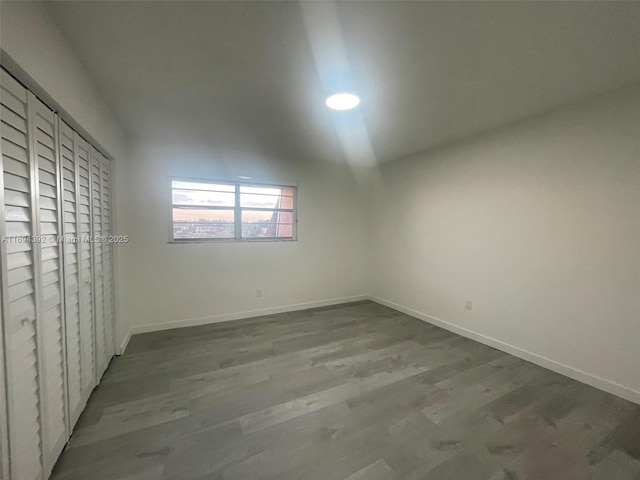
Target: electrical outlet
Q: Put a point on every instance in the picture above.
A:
(258, 293)
(468, 305)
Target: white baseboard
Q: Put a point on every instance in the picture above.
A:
(581, 376)
(226, 317)
(125, 342)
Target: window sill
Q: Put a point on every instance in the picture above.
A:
(232, 240)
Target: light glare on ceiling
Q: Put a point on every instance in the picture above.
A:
(342, 101)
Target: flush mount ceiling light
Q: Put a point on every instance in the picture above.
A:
(343, 101)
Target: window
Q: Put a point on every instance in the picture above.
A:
(209, 211)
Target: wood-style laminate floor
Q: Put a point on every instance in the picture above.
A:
(353, 392)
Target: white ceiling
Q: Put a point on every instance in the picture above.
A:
(255, 74)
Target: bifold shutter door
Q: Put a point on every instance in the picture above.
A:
(24, 376)
(98, 264)
(71, 254)
(57, 330)
(49, 284)
(87, 329)
(107, 255)
(4, 436)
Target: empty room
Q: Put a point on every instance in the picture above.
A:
(319, 240)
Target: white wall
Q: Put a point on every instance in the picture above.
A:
(177, 284)
(31, 39)
(539, 225)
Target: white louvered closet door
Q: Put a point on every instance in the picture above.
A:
(71, 256)
(88, 349)
(107, 256)
(56, 297)
(4, 438)
(19, 273)
(50, 290)
(98, 263)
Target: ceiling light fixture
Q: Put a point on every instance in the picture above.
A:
(342, 101)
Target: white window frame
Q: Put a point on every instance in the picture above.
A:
(237, 208)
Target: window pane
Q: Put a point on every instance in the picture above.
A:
(267, 224)
(266, 197)
(203, 194)
(271, 230)
(203, 198)
(198, 223)
(214, 187)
